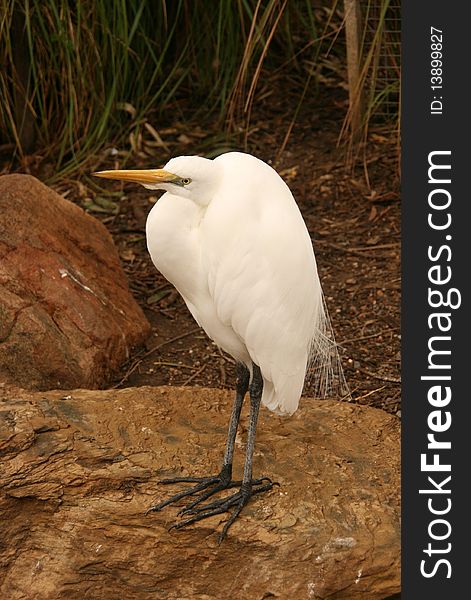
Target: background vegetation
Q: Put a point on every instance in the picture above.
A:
(80, 74)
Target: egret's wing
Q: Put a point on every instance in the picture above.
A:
(263, 280)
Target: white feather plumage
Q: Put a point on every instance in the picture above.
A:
(234, 244)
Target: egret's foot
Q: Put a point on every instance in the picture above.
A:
(236, 502)
(215, 484)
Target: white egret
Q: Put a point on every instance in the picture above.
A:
(229, 236)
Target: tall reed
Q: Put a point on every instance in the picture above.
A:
(69, 67)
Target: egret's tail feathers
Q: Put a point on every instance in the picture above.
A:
(269, 396)
(284, 401)
(324, 376)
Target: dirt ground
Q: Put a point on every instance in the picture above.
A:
(354, 221)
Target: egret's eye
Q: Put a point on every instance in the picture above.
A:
(186, 181)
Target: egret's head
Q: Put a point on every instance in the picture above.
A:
(191, 177)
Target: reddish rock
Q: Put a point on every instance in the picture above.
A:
(67, 318)
(78, 470)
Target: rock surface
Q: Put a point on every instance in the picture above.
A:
(79, 469)
(67, 318)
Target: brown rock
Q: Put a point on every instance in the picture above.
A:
(78, 471)
(67, 318)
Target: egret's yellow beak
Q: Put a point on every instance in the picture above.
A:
(142, 176)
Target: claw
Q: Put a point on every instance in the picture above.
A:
(200, 511)
(224, 501)
(218, 488)
(190, 492)
(198, 518)
(239, 500)
(184, 480)
(229, 522)
(187, 509)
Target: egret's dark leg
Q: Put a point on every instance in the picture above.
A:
(238, 500)
(224, 479)
(242, 385)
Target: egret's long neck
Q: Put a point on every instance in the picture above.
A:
(173, 241)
